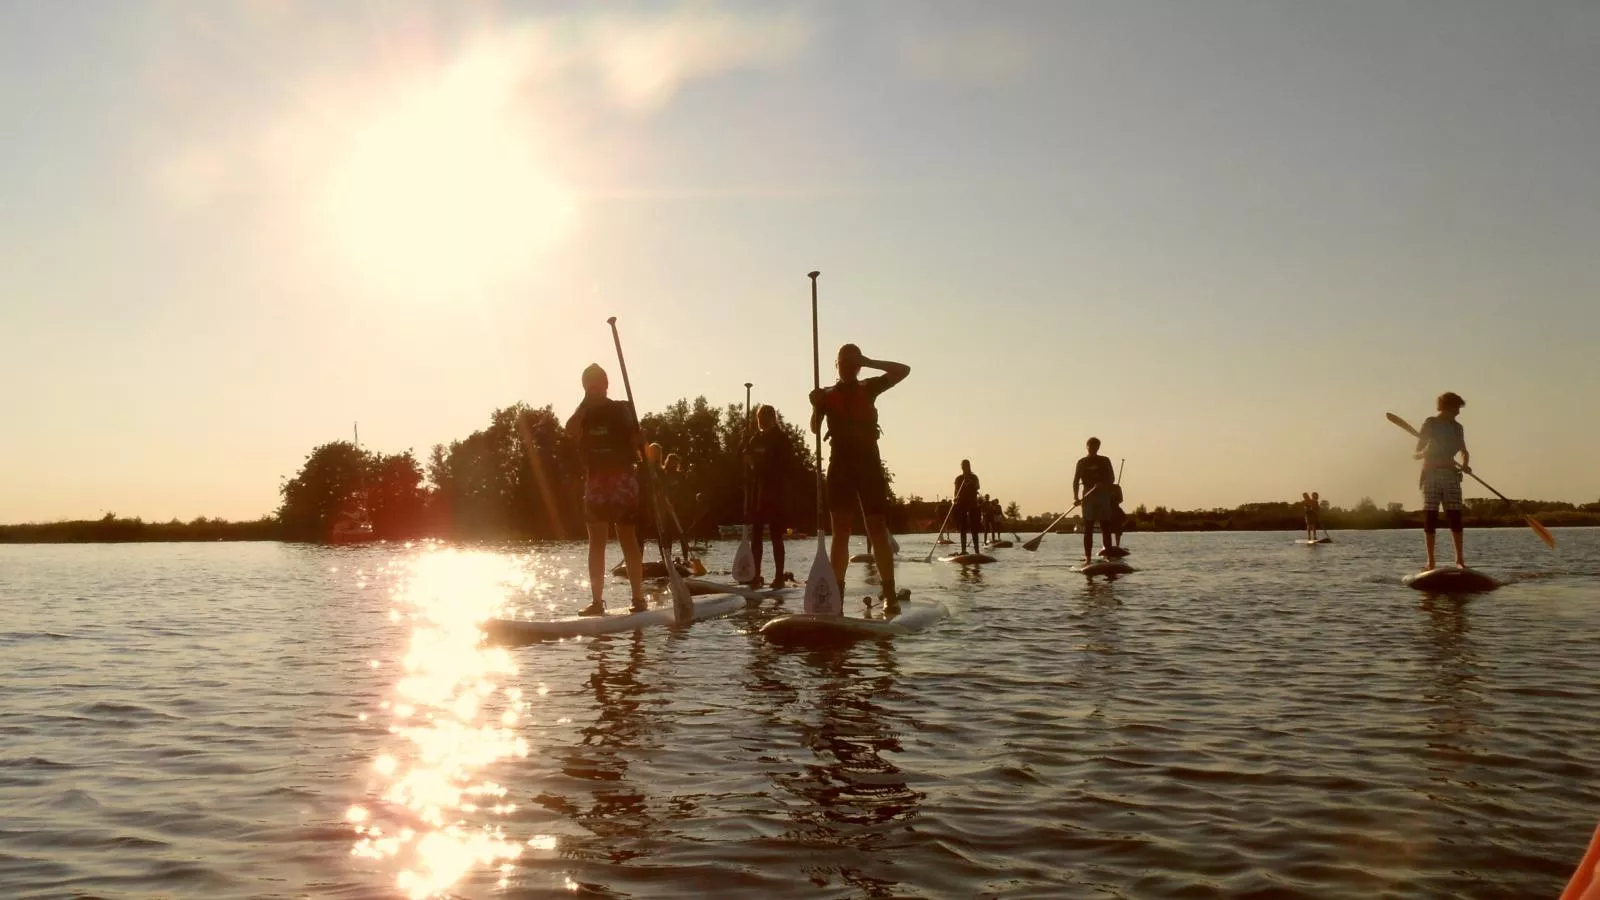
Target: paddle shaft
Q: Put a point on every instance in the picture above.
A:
(816, 383)
(1033, 543)
(946, 522)
(682, 605)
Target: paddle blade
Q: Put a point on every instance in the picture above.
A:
(822, 597)
(1402, 423)
(1032, 543)
(744, 560)
(894, 545)
(682, 601)
(1543, 532)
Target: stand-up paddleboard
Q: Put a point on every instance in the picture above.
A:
(710, 606)
(810, 629)
(968, 558)
(753, 594)
(861, 557)
(1105, 567)
(1113, 552)
(1451, 581)
(1310, 543)
(944, 541)
(1000, 545)
(652, 569)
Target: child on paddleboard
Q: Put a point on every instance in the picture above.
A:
(1439, 441)
(608, 443)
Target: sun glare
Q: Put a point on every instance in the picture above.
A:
(442, 189)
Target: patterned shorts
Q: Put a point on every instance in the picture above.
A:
(611, 497)
(1441, 487)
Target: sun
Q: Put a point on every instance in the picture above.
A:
(441, 189)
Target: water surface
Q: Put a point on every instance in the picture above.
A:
(1241, 717)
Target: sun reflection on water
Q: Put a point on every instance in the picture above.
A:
(454, 713)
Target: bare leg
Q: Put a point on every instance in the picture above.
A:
(839, 555)
(632, 557)
(597, 562)
(882, 554)
(755, 547)
(1457, 537)
(1105, 535)
(1088, 540)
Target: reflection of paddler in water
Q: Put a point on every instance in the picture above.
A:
(857, 800)
(622, 728)
(1450, 653)
(855, 469)
(608, 443)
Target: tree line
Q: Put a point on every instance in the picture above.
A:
(520, 476)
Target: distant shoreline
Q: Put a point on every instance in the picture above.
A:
(134, 532)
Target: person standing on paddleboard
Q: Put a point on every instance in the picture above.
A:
(1095, 476)
(855, 469)
(1439, 441)
(1312, 503)
(967, 507)
(770, 456)
(608, 443)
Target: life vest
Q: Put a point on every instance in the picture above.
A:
(852, 417)
(603, 445)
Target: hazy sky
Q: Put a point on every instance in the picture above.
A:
(1225, 237)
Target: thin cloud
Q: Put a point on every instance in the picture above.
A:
(983, 55)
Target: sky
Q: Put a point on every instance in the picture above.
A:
(1224, 237)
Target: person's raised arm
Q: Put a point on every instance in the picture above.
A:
(893, 372)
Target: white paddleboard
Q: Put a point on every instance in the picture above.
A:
(752, 594)
(710, 606)
(1105, 567)
(1451, 580)
(967, 558)
(800, 628)
(1000, 545)
(1311, 543)
(1113, 552)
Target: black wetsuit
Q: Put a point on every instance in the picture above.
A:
(966, 513)
(771, 462)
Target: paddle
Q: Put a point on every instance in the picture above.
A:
(1538, 528)
(942, 525)
(822, 596)
(744, 559)
(682, 604)
(1033, 543)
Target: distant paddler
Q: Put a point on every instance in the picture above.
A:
(855, 468)
(1312, 504)
(968, 507)
(1439, 441)
(608, 444)
(1094, 477)
(770, 457)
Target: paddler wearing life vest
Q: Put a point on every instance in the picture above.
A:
(1439, 440)
(855, 470)
(608, 443)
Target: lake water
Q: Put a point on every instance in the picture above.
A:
(1242, 717)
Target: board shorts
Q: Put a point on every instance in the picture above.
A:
(1441, 487)
(857, 480)
(611, 498)
(1097, 507)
